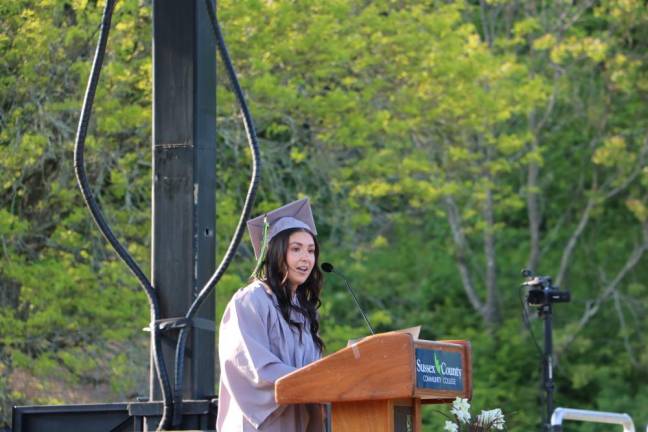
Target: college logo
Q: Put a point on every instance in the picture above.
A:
(437, 364)
(438, 370)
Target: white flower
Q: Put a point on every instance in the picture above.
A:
(461, 409)
(450, 426)
(493, 418)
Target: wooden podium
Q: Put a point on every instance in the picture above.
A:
(379, 383)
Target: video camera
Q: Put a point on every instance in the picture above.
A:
(541, 291)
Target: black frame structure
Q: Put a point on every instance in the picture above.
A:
(110, 417)
(184, 180)
(183, 240)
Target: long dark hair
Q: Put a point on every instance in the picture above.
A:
(273, 273)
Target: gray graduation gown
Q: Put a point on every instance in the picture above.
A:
(256, 347)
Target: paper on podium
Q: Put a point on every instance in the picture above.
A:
(412, 331)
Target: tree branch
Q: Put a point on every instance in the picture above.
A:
(593, 307)
(491, 312)
(461, 248)
(624, 330)
(571, 244)
(533, 210)
(488, 36)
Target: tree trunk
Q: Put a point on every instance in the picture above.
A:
(491, 312)
(461, 250)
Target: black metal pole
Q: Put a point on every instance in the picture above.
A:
(546, 313)
(184, 183)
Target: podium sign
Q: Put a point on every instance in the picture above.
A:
(439, 370)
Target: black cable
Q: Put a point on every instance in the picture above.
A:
(238, 234)
(97, 215)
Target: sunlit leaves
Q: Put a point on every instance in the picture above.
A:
(638, 209)
(613, 152)
(379, 111)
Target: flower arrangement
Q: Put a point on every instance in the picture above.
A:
(463, 421)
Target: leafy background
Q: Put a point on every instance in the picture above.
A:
(446, 145)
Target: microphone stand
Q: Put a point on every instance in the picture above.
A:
(328, 268)
(356, 302)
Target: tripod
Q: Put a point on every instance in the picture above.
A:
(542, 294)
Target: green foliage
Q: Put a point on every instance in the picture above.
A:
(64, 297)
(445, 145)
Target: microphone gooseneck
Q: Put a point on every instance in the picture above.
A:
(328, 268)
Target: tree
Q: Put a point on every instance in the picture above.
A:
(445, 146)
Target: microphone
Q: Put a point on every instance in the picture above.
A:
(328, 268)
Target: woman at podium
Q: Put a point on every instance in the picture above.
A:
(270, 327)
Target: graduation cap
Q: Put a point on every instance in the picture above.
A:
(262, 229)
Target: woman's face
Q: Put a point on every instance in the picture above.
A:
(300, 258)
